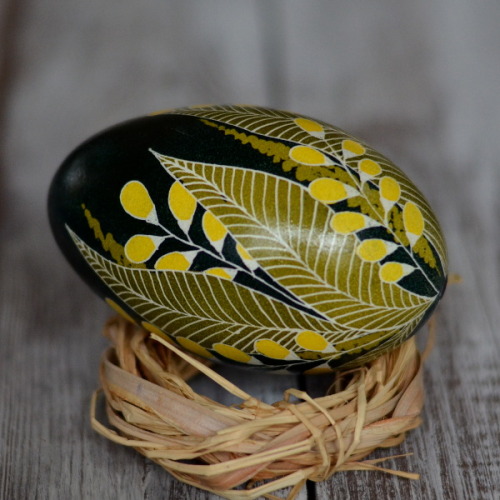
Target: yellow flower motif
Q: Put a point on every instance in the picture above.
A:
(392, 272)
(308, 156)
(141, 247)
(350, 222)
(214, 230)
(311, 341)
(271, 349)
(330, 190)
(390, 193)
(136, 201)
(369, 168)
(373, 250)
(310, 126)
(232, 353)
(390, 189)
(175, 261)
(182, 205)
(352, 148)
(413, 221)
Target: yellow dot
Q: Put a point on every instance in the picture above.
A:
(391, 272)
(140, 248)
(135, 200)
(174, 261)
(390, 189)
(311, 341)
(271, 349)
(193, 347)
(119, 310)
(309, 125)
(231, 352)
(327, 190)
(220, 272)
(181, 202)
(370, 167)
(347, 222)
(213, 227)
(372, 250)
(413, 219)
(308, 156)
(243, 253)
(353, 148)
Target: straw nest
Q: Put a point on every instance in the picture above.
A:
(252, 449)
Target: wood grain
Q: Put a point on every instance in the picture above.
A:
(419, 81)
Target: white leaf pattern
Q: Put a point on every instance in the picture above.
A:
(282, 238)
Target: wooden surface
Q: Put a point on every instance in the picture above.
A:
(417, 80)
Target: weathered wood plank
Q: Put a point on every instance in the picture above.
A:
(96, 66)
(422, 118)
(447, 147)
(419, 81)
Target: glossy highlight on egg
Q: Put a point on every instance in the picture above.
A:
(256, 237)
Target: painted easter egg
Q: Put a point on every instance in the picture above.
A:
(252, 236)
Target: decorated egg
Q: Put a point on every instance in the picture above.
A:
(252, 236)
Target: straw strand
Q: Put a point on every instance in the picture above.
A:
(260, 447)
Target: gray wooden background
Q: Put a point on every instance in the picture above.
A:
(420, 81)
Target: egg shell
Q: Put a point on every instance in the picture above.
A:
(256, 237)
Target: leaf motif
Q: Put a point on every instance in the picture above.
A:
(331, 140)
(201, 307)
(283, 154)
(263, 121)
(182, 204)
(276, 124)
(288, 246)
(312, 165)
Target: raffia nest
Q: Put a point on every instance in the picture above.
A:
(254, 444)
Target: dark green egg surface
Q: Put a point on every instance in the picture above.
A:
(252, 236)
